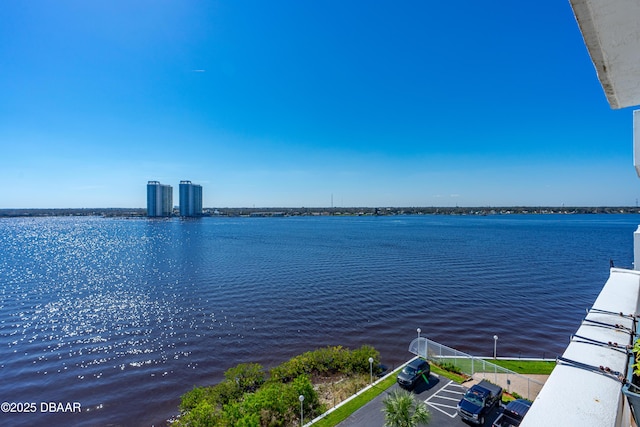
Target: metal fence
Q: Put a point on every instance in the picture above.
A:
(476, 367)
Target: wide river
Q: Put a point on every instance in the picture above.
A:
(122, 316)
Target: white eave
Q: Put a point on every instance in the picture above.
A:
(578, 393)
(611, 31)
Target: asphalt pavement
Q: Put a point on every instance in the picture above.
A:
(441, 396)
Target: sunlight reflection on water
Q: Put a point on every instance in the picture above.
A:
(126, 315)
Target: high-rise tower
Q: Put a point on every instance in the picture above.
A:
(159, 199)
(190, 199)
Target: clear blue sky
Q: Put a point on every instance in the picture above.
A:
(286, 103)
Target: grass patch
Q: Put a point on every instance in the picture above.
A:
(343, 412)
(465, 365)
(508, 397)
(455, 376)
(531, 367)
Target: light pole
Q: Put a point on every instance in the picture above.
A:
(301, 410)
(371, 370)
(495, 345)
(419, 330)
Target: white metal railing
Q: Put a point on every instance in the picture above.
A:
(476, 367)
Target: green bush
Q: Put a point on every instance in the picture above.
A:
(359, 360)
(451, 368)
(247, 376)
(192, 398)
(274, 405)
(246, 399)
(216, 396)
(201, 415)
(327, 361)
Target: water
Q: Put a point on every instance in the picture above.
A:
(123, 316)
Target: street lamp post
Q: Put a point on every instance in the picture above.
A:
(495, 345)
(371, 370)
(419, 330)
(301, 410)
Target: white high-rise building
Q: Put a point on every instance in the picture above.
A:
(159, 199)
(190, 199)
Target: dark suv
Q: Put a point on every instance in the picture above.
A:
(416, 370)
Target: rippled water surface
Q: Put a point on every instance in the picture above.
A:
(123, 316)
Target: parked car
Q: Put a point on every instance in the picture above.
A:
(381, 371)
(513, 413)
(417, 370)
(478, 401)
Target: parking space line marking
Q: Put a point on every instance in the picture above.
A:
(458, 385)
(437, 406)
(448, 398)
(452, 392)
(437, 392)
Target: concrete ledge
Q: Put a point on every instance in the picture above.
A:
(577, 392)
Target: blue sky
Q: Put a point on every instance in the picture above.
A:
(288, 103)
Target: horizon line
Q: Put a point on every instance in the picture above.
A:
(358, 207)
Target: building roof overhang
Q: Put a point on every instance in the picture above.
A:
(611, 32)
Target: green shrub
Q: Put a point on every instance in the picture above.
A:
(192, 398)
(275, 404)
(451, 368)
(246, 399)
(359, 360)
(216, 396)
(247, 376)
(201, 415)
(327, 361)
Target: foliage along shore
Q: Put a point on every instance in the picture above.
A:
(320, 211)
(248, 397)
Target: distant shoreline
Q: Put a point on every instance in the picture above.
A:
(343, 211)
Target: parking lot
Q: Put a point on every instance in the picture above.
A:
(441, 396)
(445, 399)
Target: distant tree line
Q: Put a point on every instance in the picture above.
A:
(344, 211)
